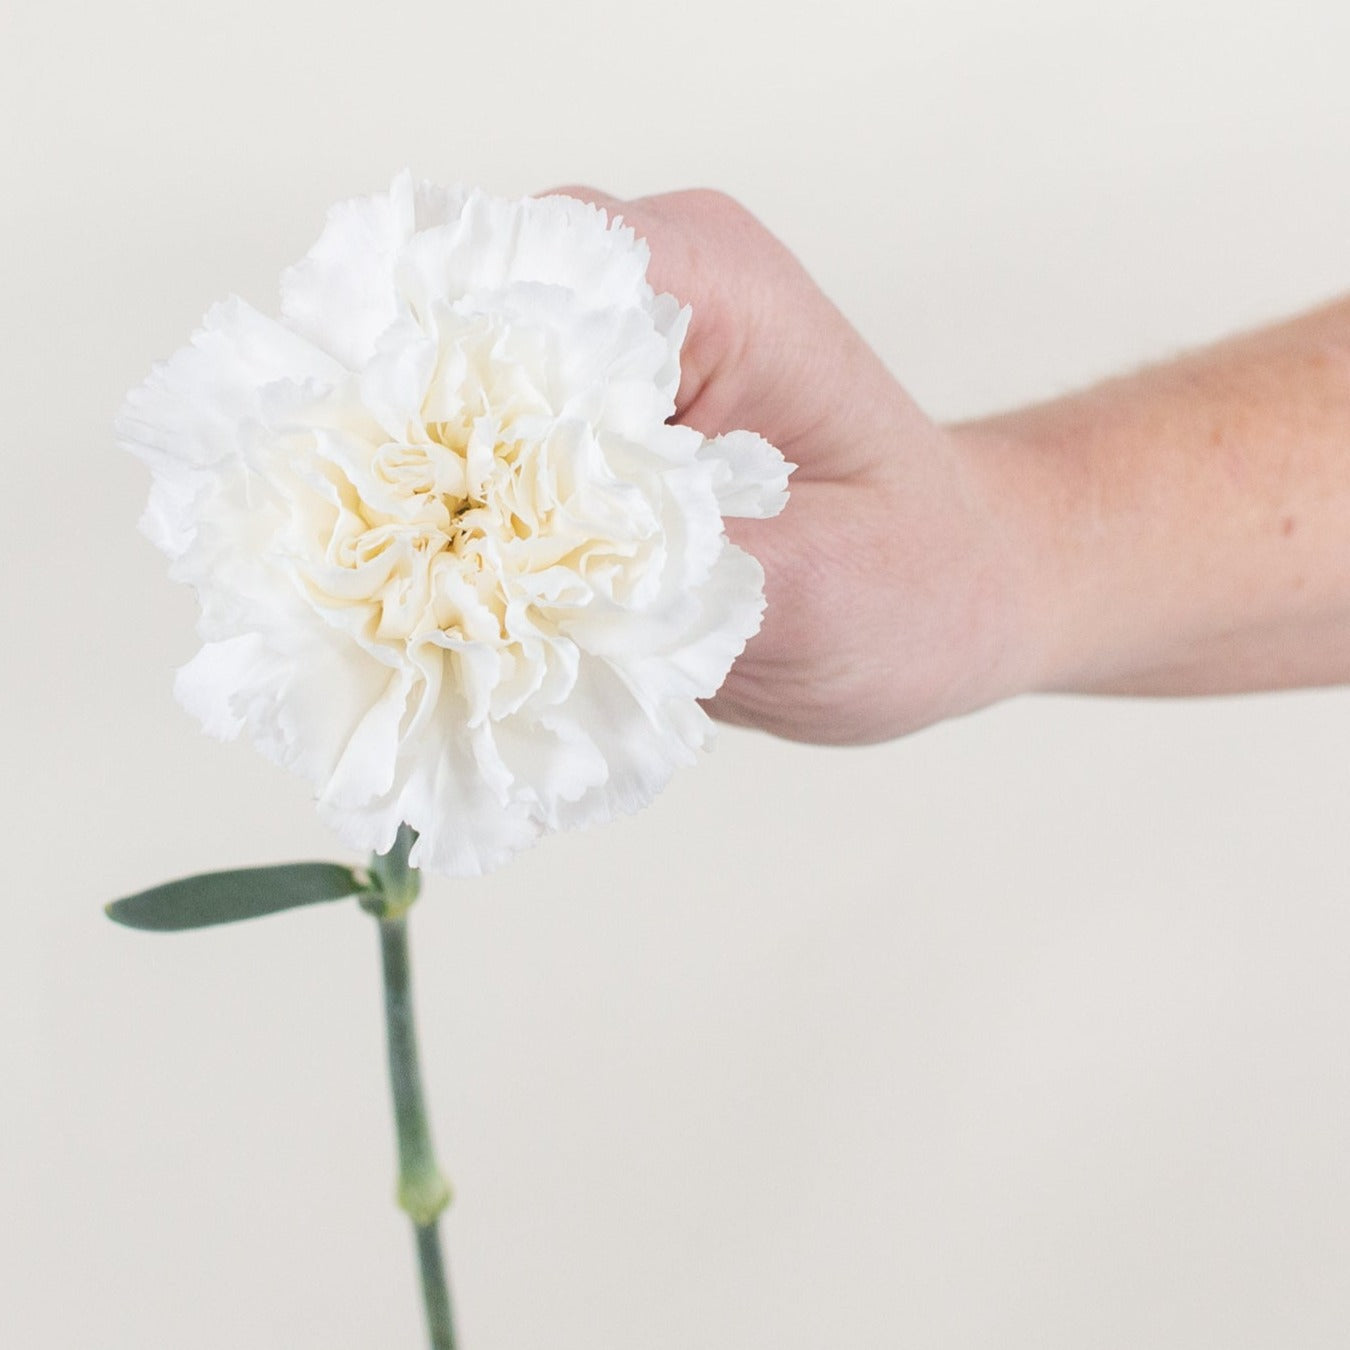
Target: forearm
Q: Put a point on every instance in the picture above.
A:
(1187, 529)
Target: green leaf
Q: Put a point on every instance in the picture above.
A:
(227, 897)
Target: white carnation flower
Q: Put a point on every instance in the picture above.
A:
(455, 566)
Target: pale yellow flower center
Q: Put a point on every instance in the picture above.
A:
(443, 530)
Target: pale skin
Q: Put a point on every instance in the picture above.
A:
(1181, 530)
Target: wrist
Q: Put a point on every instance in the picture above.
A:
(1028, 504)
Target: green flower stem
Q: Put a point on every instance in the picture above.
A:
(435, 1293)
(422, 1191)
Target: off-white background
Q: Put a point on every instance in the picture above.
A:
(1031, 1031)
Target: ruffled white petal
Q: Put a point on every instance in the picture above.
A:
(750, 476)
(494, 245)
(341, 295)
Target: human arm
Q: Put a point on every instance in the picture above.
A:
(1192, 520)
(1182, 530)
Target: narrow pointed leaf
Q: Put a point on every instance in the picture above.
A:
(227, 897)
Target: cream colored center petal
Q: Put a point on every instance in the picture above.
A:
(471, 534)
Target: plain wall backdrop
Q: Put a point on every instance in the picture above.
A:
(1029, 1031)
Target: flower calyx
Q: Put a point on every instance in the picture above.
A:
(394, 884)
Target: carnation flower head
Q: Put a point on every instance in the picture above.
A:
(455, 565)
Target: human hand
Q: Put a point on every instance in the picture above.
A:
(892, 575)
